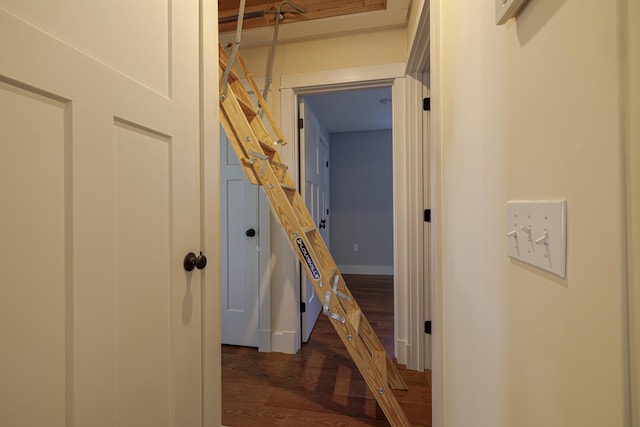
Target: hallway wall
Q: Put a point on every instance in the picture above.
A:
(532, 110)
(633, 181)
(362, 201)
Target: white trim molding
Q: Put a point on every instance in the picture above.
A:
(353, 77)
(384, 270)
(408, 317)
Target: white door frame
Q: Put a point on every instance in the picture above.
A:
(425, 51)
(313, 305)
(210, 217)
(409, 318)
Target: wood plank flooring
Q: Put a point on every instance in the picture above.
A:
(319, 386)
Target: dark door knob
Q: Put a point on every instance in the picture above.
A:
(201, 261)
(192, 261)
(250, 232)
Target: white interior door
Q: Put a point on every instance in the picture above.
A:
(314, 173)
(100, 324)
(239, 255)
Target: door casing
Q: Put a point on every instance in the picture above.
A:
(409, 319)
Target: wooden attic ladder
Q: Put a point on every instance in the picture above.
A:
(263, 166)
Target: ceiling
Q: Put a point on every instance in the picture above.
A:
(354, 110)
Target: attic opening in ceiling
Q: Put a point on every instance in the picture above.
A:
(262, 13)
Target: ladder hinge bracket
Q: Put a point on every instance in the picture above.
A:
(259, 156)
(282, 168)
(336, 291)
(327, 299)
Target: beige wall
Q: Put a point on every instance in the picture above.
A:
(633, 180)
(333, 53)
(413, 22)
(532, 110)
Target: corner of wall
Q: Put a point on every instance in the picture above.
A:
(632, 90)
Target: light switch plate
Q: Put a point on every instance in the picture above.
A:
(507, 9)
(536, 233)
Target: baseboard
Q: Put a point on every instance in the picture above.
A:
(401, 351)
(284, 342)
(386, 270)
(290, 342)
(264, 340)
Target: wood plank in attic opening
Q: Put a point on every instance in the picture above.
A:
(261, 13)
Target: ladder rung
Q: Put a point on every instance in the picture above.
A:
(309, 229)
(332, 274)
(267, 146)
(288, 187)
(247, 108)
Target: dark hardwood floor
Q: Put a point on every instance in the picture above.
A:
(319, 386)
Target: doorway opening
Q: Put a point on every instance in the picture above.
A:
(408, 314)
(346, 174)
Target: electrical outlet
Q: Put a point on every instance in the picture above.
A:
(355, 247)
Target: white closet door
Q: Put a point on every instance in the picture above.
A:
(100, 324)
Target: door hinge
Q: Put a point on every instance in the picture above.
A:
(303, 307)
(427, 327)
(427, 215)
(426, 104)
(301, 123)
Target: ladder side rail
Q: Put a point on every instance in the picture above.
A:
(366, 330)
(262, 102)
(237, 148)
(257, 124)
(369, 336)
(368, 368)
(364, 348)
(265, 140)
(279, 201)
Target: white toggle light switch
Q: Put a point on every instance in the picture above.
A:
(536, 234)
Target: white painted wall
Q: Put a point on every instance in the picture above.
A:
(532, 109)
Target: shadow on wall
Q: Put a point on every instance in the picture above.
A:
(534, 17)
